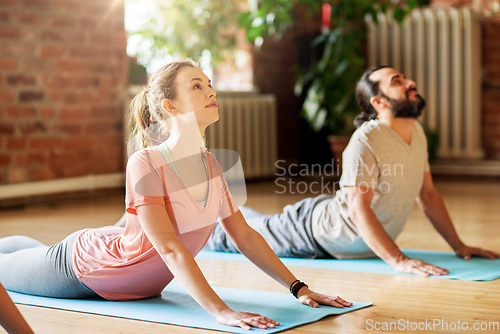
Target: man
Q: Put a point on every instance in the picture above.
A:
(385, 168)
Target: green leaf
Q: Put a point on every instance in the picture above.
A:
(341, 67)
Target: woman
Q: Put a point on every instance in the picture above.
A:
(175, 192)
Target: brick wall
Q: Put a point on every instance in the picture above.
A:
(490, 71)
(63, 70)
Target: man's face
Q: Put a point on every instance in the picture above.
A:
(400, 93)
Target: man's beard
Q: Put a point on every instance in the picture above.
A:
(404, 108)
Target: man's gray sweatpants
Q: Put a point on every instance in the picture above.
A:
(288, 234)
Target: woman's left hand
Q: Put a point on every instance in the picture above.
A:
(314, 299)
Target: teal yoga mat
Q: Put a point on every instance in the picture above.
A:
(475, 269)
(176, 307)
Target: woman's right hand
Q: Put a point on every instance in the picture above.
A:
(245, 320)
(419, 267)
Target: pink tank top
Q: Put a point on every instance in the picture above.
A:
(122, 264)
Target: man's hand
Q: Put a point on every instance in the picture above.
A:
(314, 299)
(467, 252)
(419, 267)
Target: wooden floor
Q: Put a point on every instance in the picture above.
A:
(474, 207)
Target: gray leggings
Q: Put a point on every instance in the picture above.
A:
(28, 266)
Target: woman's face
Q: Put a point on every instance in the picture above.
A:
(194, 93)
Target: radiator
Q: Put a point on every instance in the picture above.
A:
(247, 125)
(440, 50)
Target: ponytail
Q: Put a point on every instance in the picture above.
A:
(365, 90)
(364, 117)
(140, 117)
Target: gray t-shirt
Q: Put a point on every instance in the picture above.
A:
(376, 157)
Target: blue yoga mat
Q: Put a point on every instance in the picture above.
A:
(475, 269)
(176, 307)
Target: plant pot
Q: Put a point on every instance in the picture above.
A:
(337, 146)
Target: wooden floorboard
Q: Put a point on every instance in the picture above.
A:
(474, 207)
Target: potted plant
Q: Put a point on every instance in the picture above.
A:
(327, 85)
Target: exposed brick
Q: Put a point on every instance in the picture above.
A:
(66, 65)
(70, 114)
(28, 34)
(61, 21)
(21, 79)
(109, 38)
(67, 159)
(17, 48)
(99, 67)
(7, 64)
(30, 96)
(30, 65)
(55, 80)
(51, 142)
(39, 174)
(16, 175)
(76, 143)
(106, 111)
(46, 112)
(15, 143)
(91, 23)
(54, 50)
(6, 95)
(4, 160)
(41, 4)
(70, 128)
(55, 35)
(107, 81)
(72, 98)
(102, 127)
(6, 128)
(83, 51)
(81, 37)
(98, 9)
(4, 17)
(20, 112)
(7, 2)
(84, 80)
(29, 159)
(89, 95)
(70, 65)
(56, 96)
(35, 127)
(34, 158)
(28, 18)
(67, 5)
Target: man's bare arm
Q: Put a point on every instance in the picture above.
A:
(375, 237)
(432, 205)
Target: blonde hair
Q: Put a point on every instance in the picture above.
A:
(147, 116)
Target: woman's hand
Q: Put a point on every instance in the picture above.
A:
(419, 267)
(313, 299)
(244, 320)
